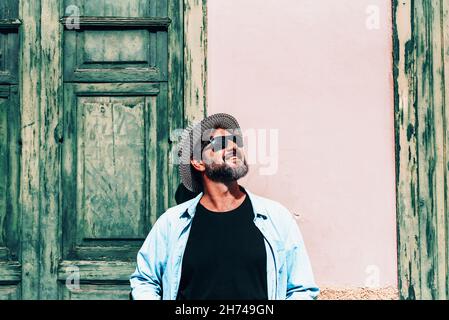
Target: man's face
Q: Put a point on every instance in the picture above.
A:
(224, 159)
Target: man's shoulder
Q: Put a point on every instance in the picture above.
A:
(176, 211)
(271, 207)
(279, 217)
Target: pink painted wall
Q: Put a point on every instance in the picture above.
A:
(313, 70)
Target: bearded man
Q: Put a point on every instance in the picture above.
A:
(226, 243)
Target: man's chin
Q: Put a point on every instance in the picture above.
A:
(228, 172)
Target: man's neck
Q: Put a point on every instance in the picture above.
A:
(222, 197)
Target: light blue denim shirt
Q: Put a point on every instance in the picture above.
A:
(289, 273)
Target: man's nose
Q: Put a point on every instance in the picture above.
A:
(232, 145)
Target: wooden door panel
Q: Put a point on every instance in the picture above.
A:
(117, 41)
(97, 292)
(108, 47)
(111, 163)
(111, 8)
(9, 46)
(9, 41)
(114, 157)
(116, 160)
(116, 56)
(9, 9)
(9, 292)
(98, 279)
(114, 8)
(10, 268)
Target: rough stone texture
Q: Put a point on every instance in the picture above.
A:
(388, 293)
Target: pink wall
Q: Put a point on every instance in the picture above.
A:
(315, 71)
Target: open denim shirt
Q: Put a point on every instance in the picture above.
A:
(289, 273)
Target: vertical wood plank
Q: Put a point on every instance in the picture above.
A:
(4, 109)
(175, 88)
(69, 176)
(151, 153)
(30, 59)
(406, 158)
(445, 36)
(195, 64)
(430, 132)
(162, 149)
(162, 41)
(437, 96)
(14, 219)
(421, 140)
(51, 137)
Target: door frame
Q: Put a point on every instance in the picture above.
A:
(41, 98)
(420, 63)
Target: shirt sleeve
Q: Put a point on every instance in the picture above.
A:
(300, 280)
(146, 281)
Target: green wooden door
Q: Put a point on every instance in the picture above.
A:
(101, 91)
(115, 150)
(10, 267)
(114, 178)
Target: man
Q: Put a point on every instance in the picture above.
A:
(226, 243)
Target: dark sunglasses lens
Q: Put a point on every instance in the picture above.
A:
(238, 141)
(221, 142)
(218, 143)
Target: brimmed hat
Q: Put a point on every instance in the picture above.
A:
(191, 140)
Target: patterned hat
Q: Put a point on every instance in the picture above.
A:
(190, 145)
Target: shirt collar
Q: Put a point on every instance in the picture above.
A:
(258, 207)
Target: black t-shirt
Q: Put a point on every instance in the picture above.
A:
(225, 257)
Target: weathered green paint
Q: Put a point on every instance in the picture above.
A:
(421, 140)
(195, 49)
(114, 152)
(85, 163)
(100, 279)
(113, 8)
(30, 188)
(108, 48)
(94, 291)
(161, 23)
(9, 24)
(175, 87)
(9, 193)
(9, 42)
(88, 170)
(9, 9)
(111, 151)
(445, 83)
(49, 148)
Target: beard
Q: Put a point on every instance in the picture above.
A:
(225, 173)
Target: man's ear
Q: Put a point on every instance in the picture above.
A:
(198, 165)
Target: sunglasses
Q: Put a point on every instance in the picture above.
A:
(222, 142)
